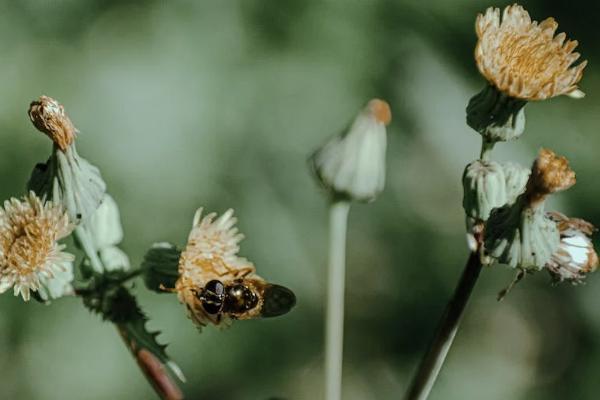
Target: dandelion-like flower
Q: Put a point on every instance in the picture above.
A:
(575, 257)
(524, 59)
(30, 257)
(215, 284)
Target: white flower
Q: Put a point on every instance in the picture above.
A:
(211, 253)
(575, 256)
(352, 164)
(30, 257)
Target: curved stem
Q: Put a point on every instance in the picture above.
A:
(436, 355)
(334, 328)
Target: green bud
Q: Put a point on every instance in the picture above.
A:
(496, 116)
(516, 177)
(521, 236)
(161, 267)
(484, 189)
(71, 181)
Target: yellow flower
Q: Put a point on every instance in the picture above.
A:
(524, 59)
(30, 257)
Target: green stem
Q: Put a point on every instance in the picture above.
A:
(334, 329)
(486, 150)
(436, 355)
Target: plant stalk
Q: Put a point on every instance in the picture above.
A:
(334, 328)
(434, 358)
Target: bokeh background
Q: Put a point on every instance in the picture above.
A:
(192, 103)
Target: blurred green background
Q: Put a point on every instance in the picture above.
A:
(193, 103)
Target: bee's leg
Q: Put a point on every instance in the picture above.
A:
(238, 273)
(166, 289)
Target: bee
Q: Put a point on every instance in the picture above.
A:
(245, 299)
(216, 284)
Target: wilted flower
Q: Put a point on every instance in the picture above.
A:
(352, 165)
(522, 235)
(575, 257)
(524, 59)
(66, 178)
(49, 116)
(30, 257)
(217, 285)
(550, 174)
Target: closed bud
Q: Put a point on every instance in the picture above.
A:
(352, 165)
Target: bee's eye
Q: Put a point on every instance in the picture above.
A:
(212, 296)
(240, 298)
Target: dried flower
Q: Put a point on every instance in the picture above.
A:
(522, 235)
(524, 59)
(575, 257)
(549, 174)
(352, 165)
(49, 116)
(66, 178)
(217, 285)
(30, 257)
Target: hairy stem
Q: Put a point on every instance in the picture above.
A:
(334, 329)
(434, 358)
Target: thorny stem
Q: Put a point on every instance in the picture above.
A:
(334, 329)
(434, 358)
(152, 369)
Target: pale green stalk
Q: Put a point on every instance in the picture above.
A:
(334, 329)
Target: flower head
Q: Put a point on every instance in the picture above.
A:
(352, 165)
(217, 285)
(550, 173)
(524, 59)
(30, 257)
(211, 253)
(49, 116)
(575, 257)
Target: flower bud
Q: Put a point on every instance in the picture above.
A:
(516, 177)
(352, 165)
(522, 235)
(160, 266)
(66, 178)
(575, 256)
(488, 185)
(496, 116)
(484, 189)
(106, 233)
(49, 117)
